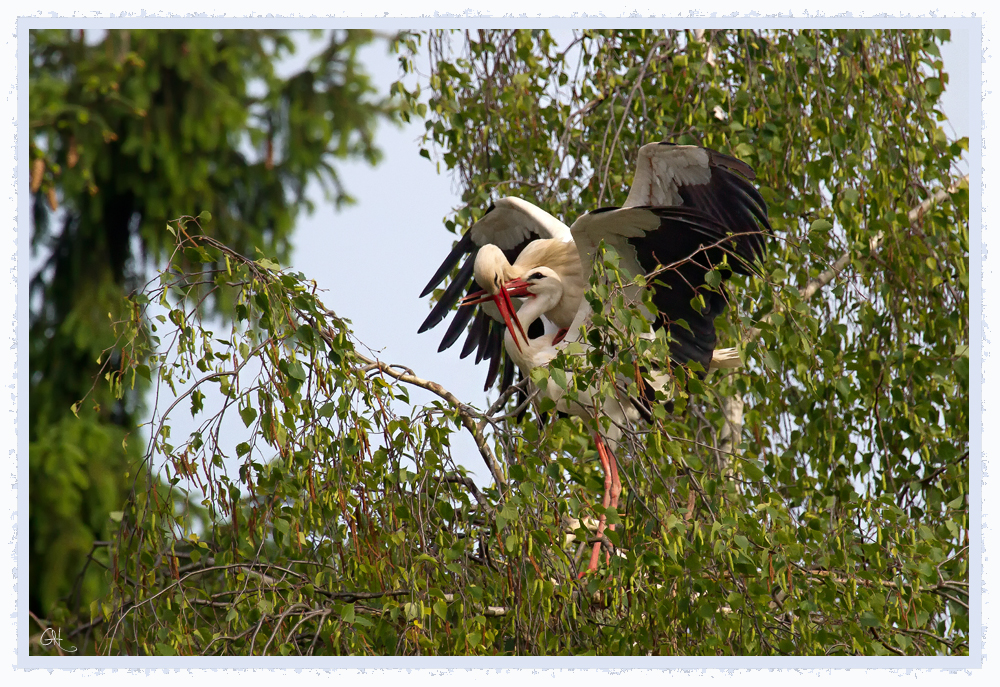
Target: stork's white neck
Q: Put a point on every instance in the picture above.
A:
(539, 351)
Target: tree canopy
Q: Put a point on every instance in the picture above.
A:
(812, 502)
(130, 129)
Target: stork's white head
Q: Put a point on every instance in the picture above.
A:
(563, 258)
(491, 269)
(541, 284)
(542, 288)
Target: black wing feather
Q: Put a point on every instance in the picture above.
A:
(508, 373)
(717, 159)
(536, 329)
(731, 199)
(450, 296)
(457, 326)
(734, 203)
(464, 246)
(697, 243)
(472, 339)
(484, 336)
(493, 351)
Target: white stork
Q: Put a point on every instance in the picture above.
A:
(511, 224)
(699, 183)
(543, 289)
(545, 293)
(687, 205)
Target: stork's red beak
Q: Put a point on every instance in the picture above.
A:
(475, 298)
(517, 287)
(504, 305)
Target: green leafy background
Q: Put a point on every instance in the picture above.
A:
(828, 517)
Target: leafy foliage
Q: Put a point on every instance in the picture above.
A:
(812, 503)
(130, 129)
(856, 435)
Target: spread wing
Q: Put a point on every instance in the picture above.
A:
(510, 224)
(717, 184)
(690, 209)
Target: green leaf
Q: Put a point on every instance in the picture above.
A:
(751, 469)
(249, 414)
(868, 619)
(197, 402)
(695, 386)
(540, 377)
(347, 613)
(440, 609)
(425, 557)
(197, 254)
(306, 335)
(558, 376)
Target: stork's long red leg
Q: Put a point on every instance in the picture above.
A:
(616, 485)
(610, 495)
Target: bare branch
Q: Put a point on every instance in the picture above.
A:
(459, 407)
(468, 484)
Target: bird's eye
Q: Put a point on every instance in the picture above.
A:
(537, 275)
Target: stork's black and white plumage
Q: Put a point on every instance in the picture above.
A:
(690, 210)
(682, 197)
(511, 224)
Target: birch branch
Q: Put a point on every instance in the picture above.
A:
(435, 388)
(733, 407)
(732, 427)
(827, 276)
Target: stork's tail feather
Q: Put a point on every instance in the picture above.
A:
(725, 359)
